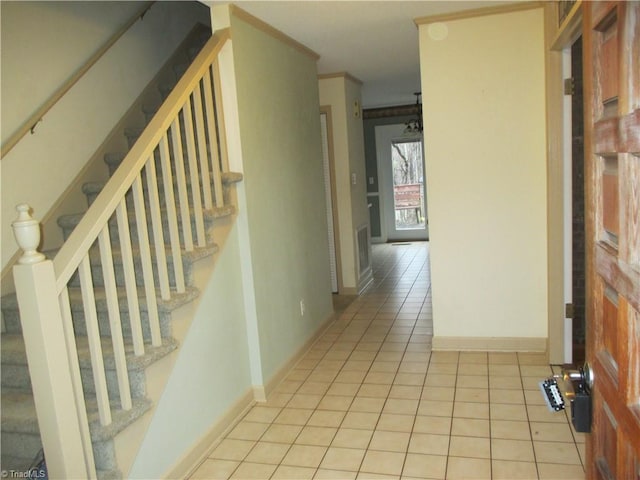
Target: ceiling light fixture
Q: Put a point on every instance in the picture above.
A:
(415, 124)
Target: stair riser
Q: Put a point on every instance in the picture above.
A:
(98, 278)
(12, 322)
(104, 455)
(79, 323)
(136, 383)
(132, 138)
(28, 445)
(67, 228)
(17, 464)
(17, 377)
(91, 195)
(19, 444)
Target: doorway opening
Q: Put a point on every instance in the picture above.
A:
(403, 196)
(407, 167)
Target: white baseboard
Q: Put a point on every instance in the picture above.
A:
(257, 393)
(348, 291)
(490, 344)
(205, 445)
(365, 281)
(282, 372)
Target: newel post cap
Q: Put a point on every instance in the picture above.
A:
(26, 230)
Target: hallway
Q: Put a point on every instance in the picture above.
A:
(371, 401)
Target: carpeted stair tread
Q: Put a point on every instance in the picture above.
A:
(19, 415)
(165, 307)
(13, 352)
(188, 260)
(10, 301)
(187, 255)
(177, 299)
(109, 474)
(11, 463)
(91, 190)
(114, 159)
(18, 412)
(70, 221)
(228, 178)
(133, 133)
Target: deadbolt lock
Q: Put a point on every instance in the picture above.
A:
(572, 386)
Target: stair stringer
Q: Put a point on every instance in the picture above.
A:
(127, 444)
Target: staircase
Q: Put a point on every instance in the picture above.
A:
(125, 267)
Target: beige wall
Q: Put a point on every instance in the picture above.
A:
(341, 93)
(484, 110)
(43, 43)
(279, 124)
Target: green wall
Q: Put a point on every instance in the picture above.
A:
(278, 110)
(211, 371)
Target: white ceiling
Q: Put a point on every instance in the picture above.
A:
(375, 41)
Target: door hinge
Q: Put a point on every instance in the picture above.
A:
(569, 86)
(568, 310)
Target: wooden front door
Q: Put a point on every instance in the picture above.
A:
(611, 34)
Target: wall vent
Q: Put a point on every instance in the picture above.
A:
(364, 248)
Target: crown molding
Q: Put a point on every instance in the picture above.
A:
(238, 12)
(478, 12)
(346, 75)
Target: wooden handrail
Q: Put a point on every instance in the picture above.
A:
(34, 119)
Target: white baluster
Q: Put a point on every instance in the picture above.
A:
(181, 182)
(172, 216)
(115, 323)
(193, 172)
(213, 139)
(158, 235)
(146, 262)
(94, 341)
(222, 132)
(130, 285)
(202, 148)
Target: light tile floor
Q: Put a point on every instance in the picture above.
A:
(370, 400)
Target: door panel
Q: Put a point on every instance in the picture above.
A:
(611, 32)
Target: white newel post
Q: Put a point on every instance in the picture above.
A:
(58, 415)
